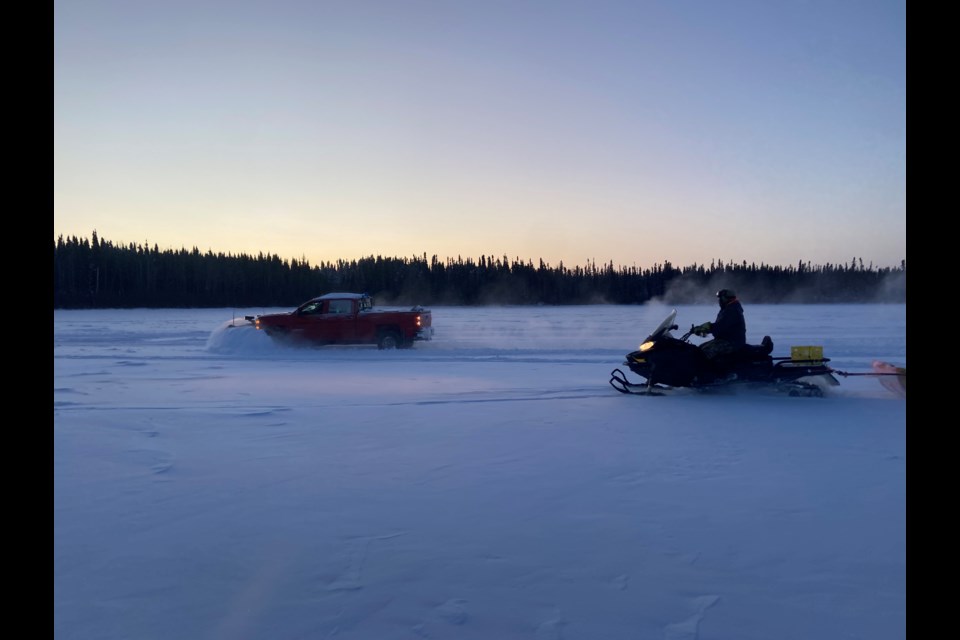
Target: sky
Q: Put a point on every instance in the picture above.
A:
(209, 484)
(580, 131)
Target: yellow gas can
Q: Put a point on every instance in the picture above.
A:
(806, 354)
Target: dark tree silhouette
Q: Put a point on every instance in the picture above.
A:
(99, 274)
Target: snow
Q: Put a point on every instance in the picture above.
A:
(489, 484)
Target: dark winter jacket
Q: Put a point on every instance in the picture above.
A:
(730, 325)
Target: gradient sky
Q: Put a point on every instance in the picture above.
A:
(629, 131)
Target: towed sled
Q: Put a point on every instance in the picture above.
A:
(666, 363)
(894, 378)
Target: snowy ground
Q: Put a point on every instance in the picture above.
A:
(487, 485)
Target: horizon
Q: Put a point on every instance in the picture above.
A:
(867, 264)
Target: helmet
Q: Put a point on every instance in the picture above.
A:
(725, 295)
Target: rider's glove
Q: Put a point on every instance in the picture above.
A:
(703, 329)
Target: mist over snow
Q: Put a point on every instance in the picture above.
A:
(211, 484)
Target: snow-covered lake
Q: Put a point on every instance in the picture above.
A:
(489, 484)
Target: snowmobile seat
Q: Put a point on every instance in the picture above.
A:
(758, 351)
(755, 352)
(743, 360)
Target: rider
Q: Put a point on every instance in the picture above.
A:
(729, 330)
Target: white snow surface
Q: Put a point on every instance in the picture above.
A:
(489, 484)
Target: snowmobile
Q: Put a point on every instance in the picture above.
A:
(666, 363)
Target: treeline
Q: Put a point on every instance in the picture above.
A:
(97, 273)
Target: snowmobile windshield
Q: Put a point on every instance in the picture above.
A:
(664, 327)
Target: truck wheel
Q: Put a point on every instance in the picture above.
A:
(389, 340)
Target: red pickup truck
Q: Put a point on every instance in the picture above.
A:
(347, 318)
